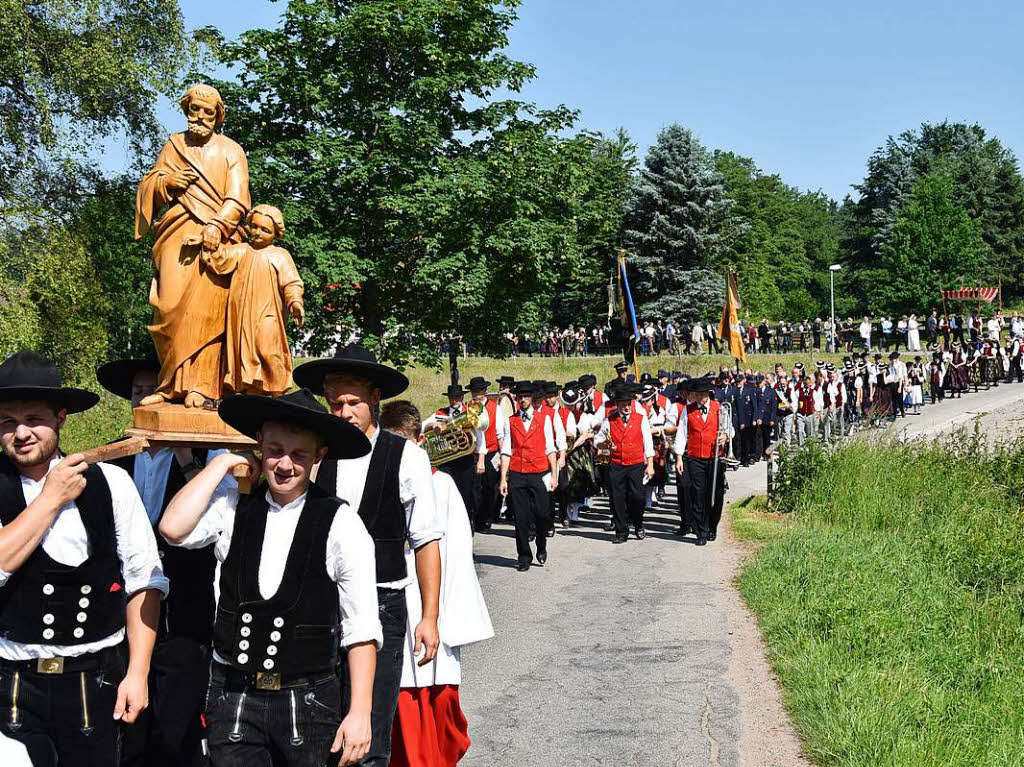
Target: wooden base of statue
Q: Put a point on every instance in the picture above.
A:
(174, 425)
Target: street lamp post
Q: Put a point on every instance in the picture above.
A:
(832, 301)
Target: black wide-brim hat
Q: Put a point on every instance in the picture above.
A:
(117, 376)
(454, 390)
(702, 384)
(248, 412)
(355, 360)
(524, 389)
(27, 375)
(572, 394)
(478, 383)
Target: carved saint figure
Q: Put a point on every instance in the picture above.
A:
(265, 288)
(195, 198)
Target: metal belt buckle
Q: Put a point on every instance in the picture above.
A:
(50, 665)
(267, 681)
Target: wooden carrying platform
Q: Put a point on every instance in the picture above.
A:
(171, 425)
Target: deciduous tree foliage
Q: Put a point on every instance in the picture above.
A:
(74, 72)
(416, 198)
(931, 244)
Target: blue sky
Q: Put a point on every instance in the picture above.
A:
(808, 89)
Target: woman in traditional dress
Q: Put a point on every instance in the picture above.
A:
(957, 371)
(915, 379)
(913, 334)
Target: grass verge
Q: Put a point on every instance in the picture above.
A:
(892, 602)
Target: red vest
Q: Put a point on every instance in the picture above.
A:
(627, 439)
(701, 435)
(597, 398)
(491, 435)
(806, 401)
(563, 413)
(528, 448)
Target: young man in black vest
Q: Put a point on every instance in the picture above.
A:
(79, 572)
(170, 732)
(296, 564)
(392, 488)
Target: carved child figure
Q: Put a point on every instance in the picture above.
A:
(265, 285)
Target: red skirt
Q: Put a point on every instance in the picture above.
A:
(430, 729)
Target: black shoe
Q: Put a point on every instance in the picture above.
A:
(712, 536)
(523, 566)
(620, 539)
(701, 541)
(640, 533)
(542, 557)
(610, 526)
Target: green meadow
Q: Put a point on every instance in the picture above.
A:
(889, 586)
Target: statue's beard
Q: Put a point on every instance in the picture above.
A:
(199, 130)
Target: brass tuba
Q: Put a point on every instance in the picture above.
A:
(457, 439)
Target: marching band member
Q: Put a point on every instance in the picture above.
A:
(464, 469)
(529, 467)
(695, 448)
(488, 499)
(657, 417)
(79, 573)
(631, 460)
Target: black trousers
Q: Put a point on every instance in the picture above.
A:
(560, 498)
(705, 511)
(1015, 371)
(767, 429)
(386, 680)
(528, 500)
(463, 472)
(897, 400)
(683, 501)
(749, 435)
(170, 731)
(292, 727)
(64, 719)
(626, 484)
(488, 495)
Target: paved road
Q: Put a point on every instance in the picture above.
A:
(638, 655)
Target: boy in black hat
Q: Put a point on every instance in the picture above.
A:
(295, 564)
(169, 732)
(79, 572)
(462, 470)
(392, 488)
(529, 467)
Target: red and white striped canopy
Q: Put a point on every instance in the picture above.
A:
(971, 294)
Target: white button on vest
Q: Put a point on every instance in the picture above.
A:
(275, 636)
(278, 622)
(268, 664)
(48, 589)
(246, 617)
(272, 650)
(48, 619)
(47, 633)
(83, 602)
(245, 631)
(79, 632)
(243, 658)
(243, 644)
(81, 617)
(87, 589)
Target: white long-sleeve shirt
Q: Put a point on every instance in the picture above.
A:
(66, 542)
(527, 416)
(350, 559)
(415, 489)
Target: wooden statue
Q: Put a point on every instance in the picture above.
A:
(265, 285)
(195, 198)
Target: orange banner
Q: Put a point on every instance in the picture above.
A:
(729, 327)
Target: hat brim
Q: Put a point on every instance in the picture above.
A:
(248, 412)
(117, 376)
(65, 397)
(479, 385)
(311, 375)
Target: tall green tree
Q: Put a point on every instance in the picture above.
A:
(987, 184)
(416, 198)
(73, 73)
(933, 243)
(679, 220)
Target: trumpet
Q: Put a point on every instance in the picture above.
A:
(457, 439)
